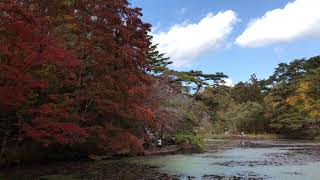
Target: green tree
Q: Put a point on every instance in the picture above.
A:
(295, 97)
(158, 63)
(248, 91)
(246, 117)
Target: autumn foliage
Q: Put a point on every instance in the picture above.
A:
(70, 69)
(34, 68)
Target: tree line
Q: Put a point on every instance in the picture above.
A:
(286, 103)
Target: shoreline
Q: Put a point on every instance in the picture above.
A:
(176, 149)
(125, 168)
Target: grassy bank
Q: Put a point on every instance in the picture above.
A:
(190, 141)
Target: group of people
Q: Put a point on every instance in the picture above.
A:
(159, 142)
(157, 139)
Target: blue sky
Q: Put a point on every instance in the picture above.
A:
(237, 37)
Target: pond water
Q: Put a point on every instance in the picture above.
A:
(244, 160)
(223, 159)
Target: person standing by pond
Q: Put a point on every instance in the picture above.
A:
(159, 143)
(173, 139)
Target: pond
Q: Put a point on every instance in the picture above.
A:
(223, 159)
(281, 159)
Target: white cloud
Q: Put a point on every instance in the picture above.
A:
(185, 42)
(298, 19)
(228, 82)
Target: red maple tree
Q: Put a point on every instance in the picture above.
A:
(115, 87)
(36, 72)
(70, 69)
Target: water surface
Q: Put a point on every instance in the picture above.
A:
(281, 159)
(223, 159)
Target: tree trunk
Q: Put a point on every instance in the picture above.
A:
(4, 144)
(5, 137)
(235, 129)
(87, 105)
(194, 98)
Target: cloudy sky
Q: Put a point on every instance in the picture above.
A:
(238, 38)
